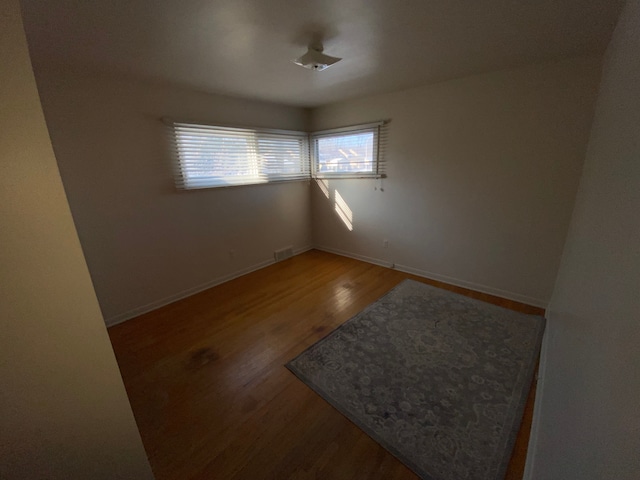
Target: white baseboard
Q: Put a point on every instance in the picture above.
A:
(517, 297)
(530, 465)
(123, 317)
(536, 302)
(355, 256)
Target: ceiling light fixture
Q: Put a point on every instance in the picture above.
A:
(314, 59)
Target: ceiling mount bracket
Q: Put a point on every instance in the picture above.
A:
(314, 59)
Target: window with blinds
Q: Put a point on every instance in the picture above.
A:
(213, 156)
(353, 152)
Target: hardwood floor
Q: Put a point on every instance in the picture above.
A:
(210, 393)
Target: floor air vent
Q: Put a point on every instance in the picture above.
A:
(283, 253)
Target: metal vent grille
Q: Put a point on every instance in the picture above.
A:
(283, 254)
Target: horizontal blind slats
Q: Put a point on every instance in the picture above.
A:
(211, 156)
(350, 152)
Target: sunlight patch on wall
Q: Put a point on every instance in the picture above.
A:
(343, 211)
(324, 186)
(340, 205)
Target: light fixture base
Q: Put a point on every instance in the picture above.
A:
(314, 59)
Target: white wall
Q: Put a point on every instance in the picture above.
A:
(64, 412)
(482, 176)
(146, 243)
(588, 414)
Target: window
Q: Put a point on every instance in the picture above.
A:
(210, 156)
(349, 152)
(214, 156)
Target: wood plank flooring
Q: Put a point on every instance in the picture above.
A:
(213, 400)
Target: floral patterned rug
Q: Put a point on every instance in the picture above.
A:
(439, 379)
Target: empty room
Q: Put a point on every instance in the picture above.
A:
(352, 240)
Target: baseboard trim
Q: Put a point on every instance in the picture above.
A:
(355, 256)
(536, 302)
(531, 461)
(123, 317)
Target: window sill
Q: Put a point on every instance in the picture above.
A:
(335, 176)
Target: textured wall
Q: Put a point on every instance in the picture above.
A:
(64, 412)
(146, 243)
(482, 176)
(588, 420)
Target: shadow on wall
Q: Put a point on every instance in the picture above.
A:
(340, 205)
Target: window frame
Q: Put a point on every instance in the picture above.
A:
(186, 180)
(308, 160)
(375, 128)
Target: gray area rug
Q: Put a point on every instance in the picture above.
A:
(438, 379)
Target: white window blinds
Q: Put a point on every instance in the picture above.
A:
(212, 156)
(349, 152)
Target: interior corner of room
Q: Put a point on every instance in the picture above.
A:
(515, 176)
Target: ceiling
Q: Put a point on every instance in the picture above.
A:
(245, 47)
